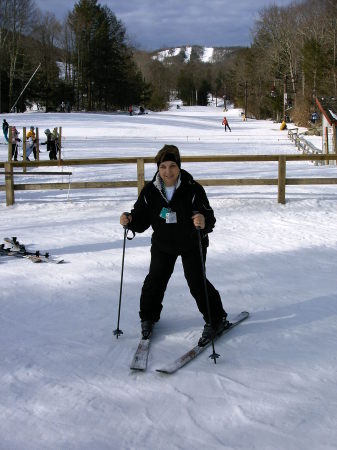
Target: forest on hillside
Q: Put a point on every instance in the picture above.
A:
(85, 61)
(89, 62)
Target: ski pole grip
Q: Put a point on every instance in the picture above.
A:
(194, 213)
(127, 214)
(127, 229)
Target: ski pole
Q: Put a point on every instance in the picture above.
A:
(118, 331)
(214, 355)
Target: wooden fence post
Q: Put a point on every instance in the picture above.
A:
(24, 147)
(282, 179)
(326, 131)
(60, 142)
(140, 174)
(9, 183)
(10, 143)
(37, 144)
(334, 143)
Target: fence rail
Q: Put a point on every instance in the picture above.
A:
(281, 181)
(303, 144)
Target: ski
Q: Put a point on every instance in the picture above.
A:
(9, 252)
(196, 350)
(44, 258)
(20, 249)
(15, 244)
(139, 361)
(5, 251)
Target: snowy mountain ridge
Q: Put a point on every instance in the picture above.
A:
(188, 53)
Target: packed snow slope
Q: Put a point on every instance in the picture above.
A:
(65, 379)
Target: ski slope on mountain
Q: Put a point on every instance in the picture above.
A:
(65, 379)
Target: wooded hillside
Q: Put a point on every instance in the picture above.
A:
(90, 63)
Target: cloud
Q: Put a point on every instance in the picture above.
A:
(177, 22)
(153, 24)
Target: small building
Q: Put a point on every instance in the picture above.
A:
(328, 109)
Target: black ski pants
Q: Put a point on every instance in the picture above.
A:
(155, 283)
(15, 152)
(52, 152)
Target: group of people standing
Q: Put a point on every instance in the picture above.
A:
(52, 141)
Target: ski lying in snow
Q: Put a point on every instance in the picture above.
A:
(195, 351)
(21, 252)
(43, 258)
(16, 246)
(9, 252)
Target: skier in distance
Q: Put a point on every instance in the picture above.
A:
(225, 122)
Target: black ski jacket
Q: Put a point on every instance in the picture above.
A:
(189, 198)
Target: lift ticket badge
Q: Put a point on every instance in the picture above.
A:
(169, 215)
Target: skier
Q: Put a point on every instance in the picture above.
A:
(225, 122)
(56, 139)
(15, 141)
(283, 125)
(51, 146)
(5, 127)
(173, 204)
(31, 139)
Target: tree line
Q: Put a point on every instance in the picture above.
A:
(89, 62)
(86, 62)
(291, 60)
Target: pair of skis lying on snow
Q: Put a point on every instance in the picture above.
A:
(19, 250)
(139, 361)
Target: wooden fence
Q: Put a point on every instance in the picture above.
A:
(281, 181)
(303, 145)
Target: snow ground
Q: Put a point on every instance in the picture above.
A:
(65, 379)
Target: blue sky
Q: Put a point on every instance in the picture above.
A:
(153, 24)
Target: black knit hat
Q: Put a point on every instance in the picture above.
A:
(168, 153)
